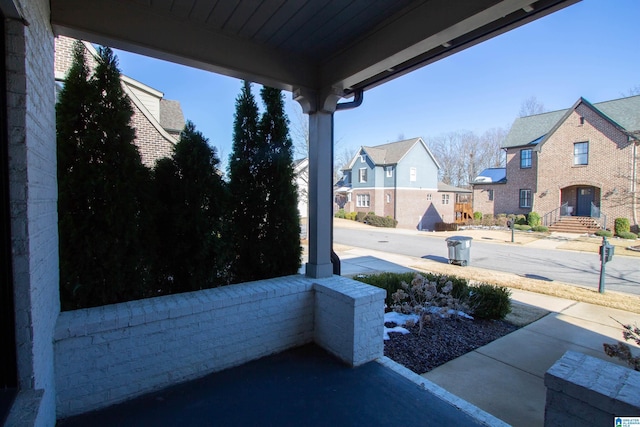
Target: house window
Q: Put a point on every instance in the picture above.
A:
(363, 201)
(363, 158)
(525, 158)
(445, 199)
(581, 153)
(389, 171)
(388, 198)
(363, 175)
(348, 197)
(412, 174)
(490, 194)
(429, 197)
(525, 198)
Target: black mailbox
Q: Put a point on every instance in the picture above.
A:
(606, 252)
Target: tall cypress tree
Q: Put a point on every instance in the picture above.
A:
(246, 190)
(192, 203)
(121, 188)
(73, 125)
(103, 183)
(282, 221)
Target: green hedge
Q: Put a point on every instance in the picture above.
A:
(490, 301)
(603, 233)
(622, 225)
(380, 221)
(486, 301)
(627, 235)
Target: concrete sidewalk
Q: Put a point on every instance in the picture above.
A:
(506, 377)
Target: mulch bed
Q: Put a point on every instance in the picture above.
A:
(442, 340)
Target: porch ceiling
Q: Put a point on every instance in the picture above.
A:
(293, 44)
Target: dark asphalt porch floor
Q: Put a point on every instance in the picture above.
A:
(305, 386)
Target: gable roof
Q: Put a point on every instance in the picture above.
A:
(533, 130)
(446, 188)
(171, 116)
(392, 153)
(491, 176)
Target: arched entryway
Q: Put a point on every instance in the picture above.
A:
(582, 200)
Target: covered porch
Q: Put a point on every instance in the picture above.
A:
(579, 212)
(321, 52)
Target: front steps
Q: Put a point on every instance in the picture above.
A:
(575, 224)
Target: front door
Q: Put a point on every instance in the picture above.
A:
(585, 199)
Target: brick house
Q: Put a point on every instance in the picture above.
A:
(581, 162)
(400, 180)
(157, 121)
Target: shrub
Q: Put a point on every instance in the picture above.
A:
(533, 219)
(540, 228)
(621, 226)
(360, 216)
(521, 220)
(628, 235)
(524, 227)
(622, 350)
(381, 221)
(391, 282)
(477, 216)
(487, 220)
(352, 216)
(424, 298)
(489, 301)
(340, 214)
(445, 226)
(603, 233)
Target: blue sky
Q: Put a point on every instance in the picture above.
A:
(589, 49)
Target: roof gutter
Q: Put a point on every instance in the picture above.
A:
(358, 96)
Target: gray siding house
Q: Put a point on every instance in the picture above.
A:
(399, 180)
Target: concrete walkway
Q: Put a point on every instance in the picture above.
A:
(506, 377)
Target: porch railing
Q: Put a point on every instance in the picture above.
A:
(552, 217)
(598, 216)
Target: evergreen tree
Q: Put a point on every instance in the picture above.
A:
(73, 126)
(103, 201)
(282, 221)
(191, 198)
(246, 190)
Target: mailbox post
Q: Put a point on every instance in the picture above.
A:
(606, 254)
(510, 225)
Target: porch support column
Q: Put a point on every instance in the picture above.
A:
(320, 107)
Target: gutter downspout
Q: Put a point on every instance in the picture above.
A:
(357, 101)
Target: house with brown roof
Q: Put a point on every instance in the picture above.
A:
(156, 120)
(580, 162)
(400, 180)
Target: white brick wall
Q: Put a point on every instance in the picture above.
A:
(584, 390)
(349, 319)
(33, 201)
(112, 353)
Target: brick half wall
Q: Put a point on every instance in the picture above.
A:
(109, 354)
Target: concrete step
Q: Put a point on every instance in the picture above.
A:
(575, 224)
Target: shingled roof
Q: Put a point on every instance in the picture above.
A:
(171, 116)
(531, 130)
(392, 153)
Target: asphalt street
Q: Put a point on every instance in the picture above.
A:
(580, 268)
